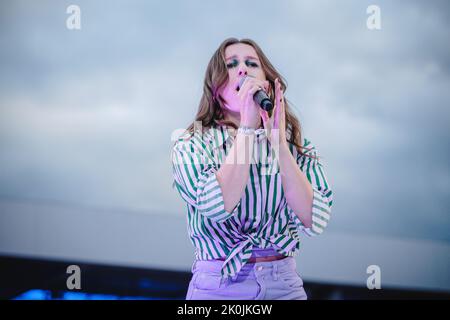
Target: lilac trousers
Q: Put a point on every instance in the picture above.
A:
(273, 280)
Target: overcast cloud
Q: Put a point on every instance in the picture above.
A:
(86, 116)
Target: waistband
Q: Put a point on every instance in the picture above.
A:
(215, 266)
(260, 252)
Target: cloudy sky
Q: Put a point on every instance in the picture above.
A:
(86, 116)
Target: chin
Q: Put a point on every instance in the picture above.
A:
(233, 109)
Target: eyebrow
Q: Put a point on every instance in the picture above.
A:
(247, 57)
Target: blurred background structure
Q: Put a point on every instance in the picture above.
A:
(87, 116)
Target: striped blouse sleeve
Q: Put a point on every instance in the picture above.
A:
(194, 174)
(322, 193)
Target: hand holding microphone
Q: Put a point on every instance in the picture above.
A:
(260, 96)
(252, 95)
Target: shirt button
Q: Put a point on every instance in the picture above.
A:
(259, 268)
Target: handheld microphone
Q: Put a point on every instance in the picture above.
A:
(260, 97)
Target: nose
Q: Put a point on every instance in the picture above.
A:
(242, 71)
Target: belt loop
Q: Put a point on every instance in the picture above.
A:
(275, 271)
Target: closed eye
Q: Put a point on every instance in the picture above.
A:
(232, 64)
(251, 64)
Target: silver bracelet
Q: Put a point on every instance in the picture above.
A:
(246, 130)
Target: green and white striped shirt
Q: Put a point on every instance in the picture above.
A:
(262, 218)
